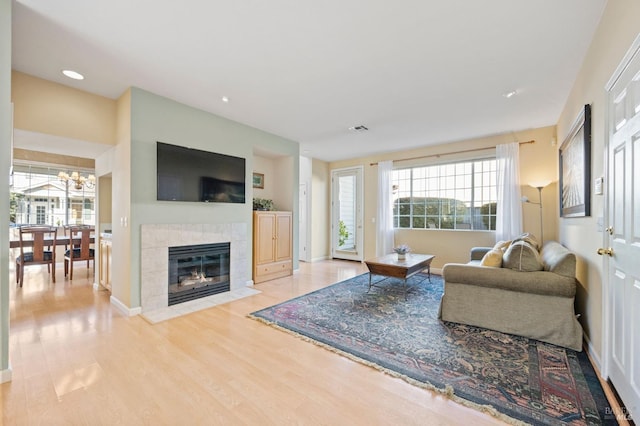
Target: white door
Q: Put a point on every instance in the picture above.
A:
(346, 217)
(622, 265)
(303, 221)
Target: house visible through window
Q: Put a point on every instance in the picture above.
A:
(446, 196)
(38, 196)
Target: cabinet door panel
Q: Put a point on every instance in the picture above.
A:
(265, 249)
(284, 237)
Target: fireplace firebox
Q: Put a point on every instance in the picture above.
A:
(197, 271)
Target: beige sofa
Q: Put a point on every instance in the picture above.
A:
(516, 298)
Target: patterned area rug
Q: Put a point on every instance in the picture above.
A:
(513, 378)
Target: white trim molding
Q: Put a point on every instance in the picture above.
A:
(124, 309)
(5, 375)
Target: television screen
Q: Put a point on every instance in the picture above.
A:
(186, 174)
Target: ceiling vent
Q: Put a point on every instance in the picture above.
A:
(358, 129)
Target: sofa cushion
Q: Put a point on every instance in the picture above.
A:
(493, 258)
(558, 259)
(522, 256)
(477, 253)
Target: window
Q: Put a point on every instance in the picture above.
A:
(40, 215)
(38, 196)
(446, 196)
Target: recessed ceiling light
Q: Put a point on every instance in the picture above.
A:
(510, 94)
(73, 74)
(225, 99)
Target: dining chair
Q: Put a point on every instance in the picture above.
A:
(37, 247)
(81, 251)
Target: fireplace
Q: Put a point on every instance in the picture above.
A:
(157, 238)
(197, 271)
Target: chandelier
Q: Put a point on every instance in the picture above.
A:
(78, 180)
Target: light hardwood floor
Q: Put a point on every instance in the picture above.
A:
(78, 361)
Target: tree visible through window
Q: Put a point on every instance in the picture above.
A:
(446, 196)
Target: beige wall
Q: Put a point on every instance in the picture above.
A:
(617, 30)
(105, 191)
(51, 108)
(121, 287)
(538, 162)
(320, 209)
(266, 166)
(283, 177)
(278, 175)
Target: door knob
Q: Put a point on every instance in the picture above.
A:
(603, 251)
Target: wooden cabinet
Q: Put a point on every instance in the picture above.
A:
(272, 245)
(105, 263)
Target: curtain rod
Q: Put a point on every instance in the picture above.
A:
(449, 153)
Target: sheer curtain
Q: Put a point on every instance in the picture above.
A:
(509, 209)
(384, 234)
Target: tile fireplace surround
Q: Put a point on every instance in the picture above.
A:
(155, 242)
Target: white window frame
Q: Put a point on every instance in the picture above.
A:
(58, 204)
(468, 195)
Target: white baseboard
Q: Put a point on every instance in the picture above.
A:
(320, 259)
(5, 375)
(249, 283)
(436, 271)
(124, 309)
(593, 354)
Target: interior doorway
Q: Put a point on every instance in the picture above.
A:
(347, 239)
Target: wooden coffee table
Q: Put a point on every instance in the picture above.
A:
(390, 266)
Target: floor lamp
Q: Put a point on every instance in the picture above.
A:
(539, 187)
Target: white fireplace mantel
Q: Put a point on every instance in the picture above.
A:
(155, 242)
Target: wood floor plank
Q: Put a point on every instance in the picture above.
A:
(77, 360)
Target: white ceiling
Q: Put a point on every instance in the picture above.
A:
(415, 72)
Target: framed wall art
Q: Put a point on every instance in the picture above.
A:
(575, 168)
(258, 180)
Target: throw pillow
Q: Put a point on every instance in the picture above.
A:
(529, 238)
(492, 258)
(502, 245)
(522, 256)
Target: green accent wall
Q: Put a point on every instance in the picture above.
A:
(155, 118)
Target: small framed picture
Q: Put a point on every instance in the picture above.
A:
(258, 180)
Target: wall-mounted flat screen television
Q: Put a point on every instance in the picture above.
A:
(187, 174)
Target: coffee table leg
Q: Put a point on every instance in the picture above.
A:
(429, 272)
(406, 289)
(369, 282)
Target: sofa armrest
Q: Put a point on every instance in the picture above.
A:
(477, 253)
(538, 282)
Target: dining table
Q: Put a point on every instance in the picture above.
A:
(48, 242)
